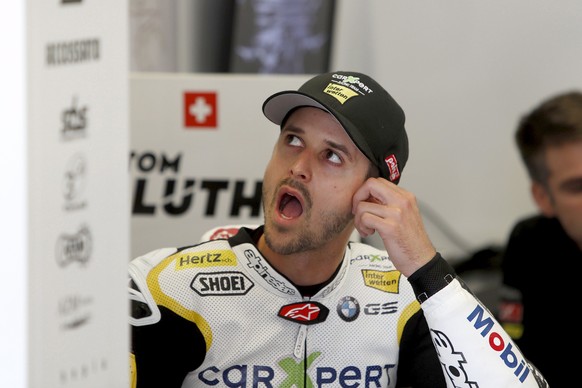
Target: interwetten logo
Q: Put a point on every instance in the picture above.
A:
(387, 281)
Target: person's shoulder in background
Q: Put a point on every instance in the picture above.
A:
(537, 225)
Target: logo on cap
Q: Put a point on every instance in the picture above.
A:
(392, 164)
(341, 93)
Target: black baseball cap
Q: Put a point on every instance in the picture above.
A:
(370, 116)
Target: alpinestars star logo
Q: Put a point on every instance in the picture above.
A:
(305, 313)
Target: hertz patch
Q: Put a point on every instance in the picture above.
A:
(205, 259)
(387, 281)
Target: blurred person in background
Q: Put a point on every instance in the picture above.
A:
(549, 139)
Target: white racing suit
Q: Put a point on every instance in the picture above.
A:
(217, 314)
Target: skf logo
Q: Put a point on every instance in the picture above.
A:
(306, 313)
(387, 281)
(200, 110)
(221, 283)
(205, 259)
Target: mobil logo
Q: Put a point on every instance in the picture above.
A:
(485, 324)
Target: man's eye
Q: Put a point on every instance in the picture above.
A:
(293, 140)
(333, 157)
(573, 187)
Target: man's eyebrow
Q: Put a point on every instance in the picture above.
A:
(292, 128)
(339, 147)
(571, 183)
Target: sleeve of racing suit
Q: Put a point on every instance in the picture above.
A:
(165, 347)
(418, 364)
(472, 347)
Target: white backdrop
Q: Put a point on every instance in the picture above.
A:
(464, 72)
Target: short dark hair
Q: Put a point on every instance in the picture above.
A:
(555, 121)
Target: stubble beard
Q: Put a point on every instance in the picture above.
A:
(314, 233)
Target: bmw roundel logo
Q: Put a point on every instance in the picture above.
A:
(348, 308)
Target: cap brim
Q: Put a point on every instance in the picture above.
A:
(276, 107)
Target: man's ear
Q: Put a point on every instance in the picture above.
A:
(543, 199)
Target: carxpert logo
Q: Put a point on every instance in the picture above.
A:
(344, 87)
(200, 110)
(298, 373)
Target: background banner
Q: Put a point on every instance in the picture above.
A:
(199, 146)
(78, 224)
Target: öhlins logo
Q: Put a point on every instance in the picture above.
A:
(219, 258)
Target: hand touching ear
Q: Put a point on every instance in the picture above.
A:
(381, 206)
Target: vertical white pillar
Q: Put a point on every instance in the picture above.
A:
(78, 234)
(13, 239)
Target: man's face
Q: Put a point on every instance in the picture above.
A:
(309, 182)
(563, 196)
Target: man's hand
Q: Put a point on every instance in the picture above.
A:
(381, 206)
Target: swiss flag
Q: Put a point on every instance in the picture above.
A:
(200, 110)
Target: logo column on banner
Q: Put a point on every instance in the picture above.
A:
(79, 228)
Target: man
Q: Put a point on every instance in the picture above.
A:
(294, 303)
(549, 139)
